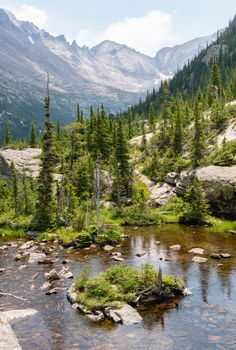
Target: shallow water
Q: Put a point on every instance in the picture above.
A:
(205, 320)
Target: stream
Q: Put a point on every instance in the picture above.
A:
(205, 320)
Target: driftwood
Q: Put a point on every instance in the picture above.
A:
(12, 295)
(152, 294)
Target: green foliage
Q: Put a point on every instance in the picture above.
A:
(224, 156)
(109, 234)
(197, 207)
(171, 281)
(219, 114)
(45, 209)
(32, 136)
(118, 284)
(137, 215)
(83, 240)
(82, 279)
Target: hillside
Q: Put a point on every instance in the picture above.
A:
(109, 73)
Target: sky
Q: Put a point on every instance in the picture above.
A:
(145, 25)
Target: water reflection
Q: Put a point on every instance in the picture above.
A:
(210, 312)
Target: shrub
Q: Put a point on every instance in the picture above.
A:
(148, 276)
(171, 281)
(83, 240)
(125, 277)
(109, 234)
(82, 279)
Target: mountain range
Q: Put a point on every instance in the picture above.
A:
(109, 73)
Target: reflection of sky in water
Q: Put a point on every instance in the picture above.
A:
(204, 321)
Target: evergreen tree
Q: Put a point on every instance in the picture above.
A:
(152, 119)
(7, 135)
(197, 207)
(32, 138)
(122, 157)
(198, 146)
(15, 189)
(178, 132)
(45, 207)
(144, 140)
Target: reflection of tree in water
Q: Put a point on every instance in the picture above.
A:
(204, 275)
(155, 315)
(224, 274)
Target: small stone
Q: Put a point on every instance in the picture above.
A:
(52, 275)
(231, 231)
(17, 257)
(35, 275)
(176, 247)
(116, 254)
(198, 251)
(187, 292)
(199, 259)
(2, 270)
(46, 261)
(26, 245)
(157, 242)
(214, 338)
(110, 313)
(4, 247)
(215, 256)
(108, 248)
(46, 285)
(167, 259)
(52, 291)
(117, 258)
(140, 254)
(22, 267)
(36, 257)
(65, 261)
(96, 318)
(32, 287)
(93, 246)
(225, 255)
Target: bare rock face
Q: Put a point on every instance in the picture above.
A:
(219, 184)
(27, 160)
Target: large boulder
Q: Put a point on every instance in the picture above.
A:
(219, 184)
(27, 160)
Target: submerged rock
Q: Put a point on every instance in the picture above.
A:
(96, 318)
(225, 255)
(141, 254)
(215, 256)
(176, 247)
(199, 259)
(198, 251)
(108, 248)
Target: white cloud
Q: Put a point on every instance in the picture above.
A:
(32, 14)
(146, 34)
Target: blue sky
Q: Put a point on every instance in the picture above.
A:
(146, 25)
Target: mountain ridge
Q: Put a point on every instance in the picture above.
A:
(108, 73)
